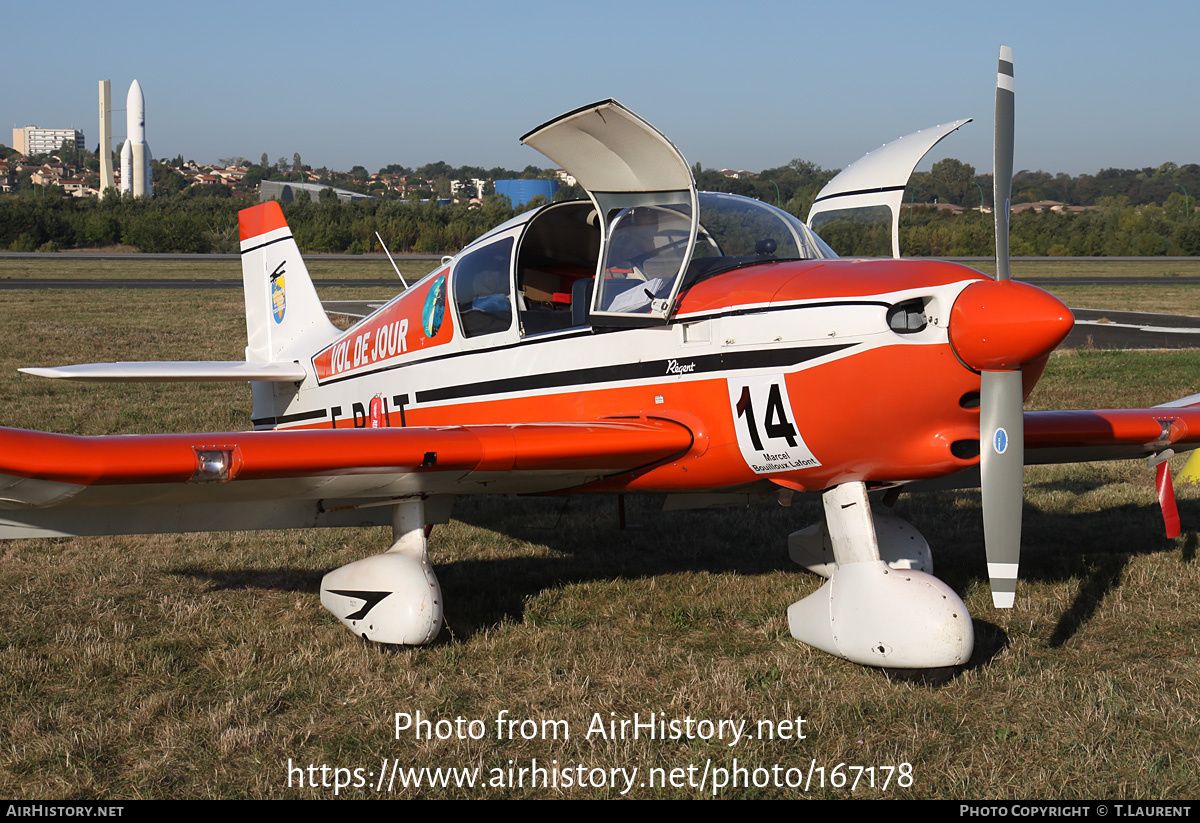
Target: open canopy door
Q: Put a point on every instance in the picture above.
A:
(877, 179)
(608, 148)
(646, 197)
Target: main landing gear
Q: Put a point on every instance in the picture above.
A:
(880, 606)
(392, 597)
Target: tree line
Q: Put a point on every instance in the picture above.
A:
(200, 225)
(1138, 212)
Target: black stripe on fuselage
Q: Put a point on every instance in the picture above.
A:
(571, 334)
(290, 418)
(649, 370)
(700, 364)
(859, 191)
(288, 236)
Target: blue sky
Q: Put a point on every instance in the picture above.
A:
(740, 83)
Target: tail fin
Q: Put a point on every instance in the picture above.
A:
(284, 317)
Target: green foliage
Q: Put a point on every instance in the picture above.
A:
(535, 202)
(167, 180)
(254, 176)
(1119, 229)
(187, 217)
(793, 187)
(24, 242)
(575, 192)
(69, 153)
(208, 190)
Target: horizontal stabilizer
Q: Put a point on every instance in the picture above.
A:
(182, 371)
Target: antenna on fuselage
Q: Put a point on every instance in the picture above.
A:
(383, 245)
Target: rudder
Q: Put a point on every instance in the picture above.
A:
(284, 316)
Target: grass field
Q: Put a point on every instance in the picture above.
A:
(202, 665)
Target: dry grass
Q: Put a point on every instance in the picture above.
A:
(197, 666)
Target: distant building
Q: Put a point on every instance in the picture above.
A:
(456, 186)
(286, 192)
(231, 176)
(1040, 205)
(31, 140)
(75, 188)
(520, 192)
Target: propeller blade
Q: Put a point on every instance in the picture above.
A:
(1001, 465)
(1002, 158)
(1001, 416)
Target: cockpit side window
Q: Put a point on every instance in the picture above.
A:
(481, 289)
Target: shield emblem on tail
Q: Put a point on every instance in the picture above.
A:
(278, 298)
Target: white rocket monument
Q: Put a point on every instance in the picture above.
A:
(135, 154)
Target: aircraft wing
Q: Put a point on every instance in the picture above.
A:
(1109, 434)
(1090, 435)
(56, 484)
(209, 371)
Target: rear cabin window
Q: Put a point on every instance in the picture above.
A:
(481, 289)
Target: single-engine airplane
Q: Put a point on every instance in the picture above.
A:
(651, 338)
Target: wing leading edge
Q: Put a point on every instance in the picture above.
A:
(130, 484)
(1091, 435)
(1108, 434)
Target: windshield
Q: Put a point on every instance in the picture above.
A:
(738, 231)
(647, 247)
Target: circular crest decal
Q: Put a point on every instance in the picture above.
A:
(1000, 441)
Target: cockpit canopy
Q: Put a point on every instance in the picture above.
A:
(654, 227)
(561, 274)
(622, 257)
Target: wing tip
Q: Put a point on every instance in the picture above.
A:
(184, 371)
(39, 372)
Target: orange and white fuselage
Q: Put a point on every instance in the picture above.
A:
(779, 370)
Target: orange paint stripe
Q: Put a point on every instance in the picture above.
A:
(171, 458)
(1109, 427)
(260, 219)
